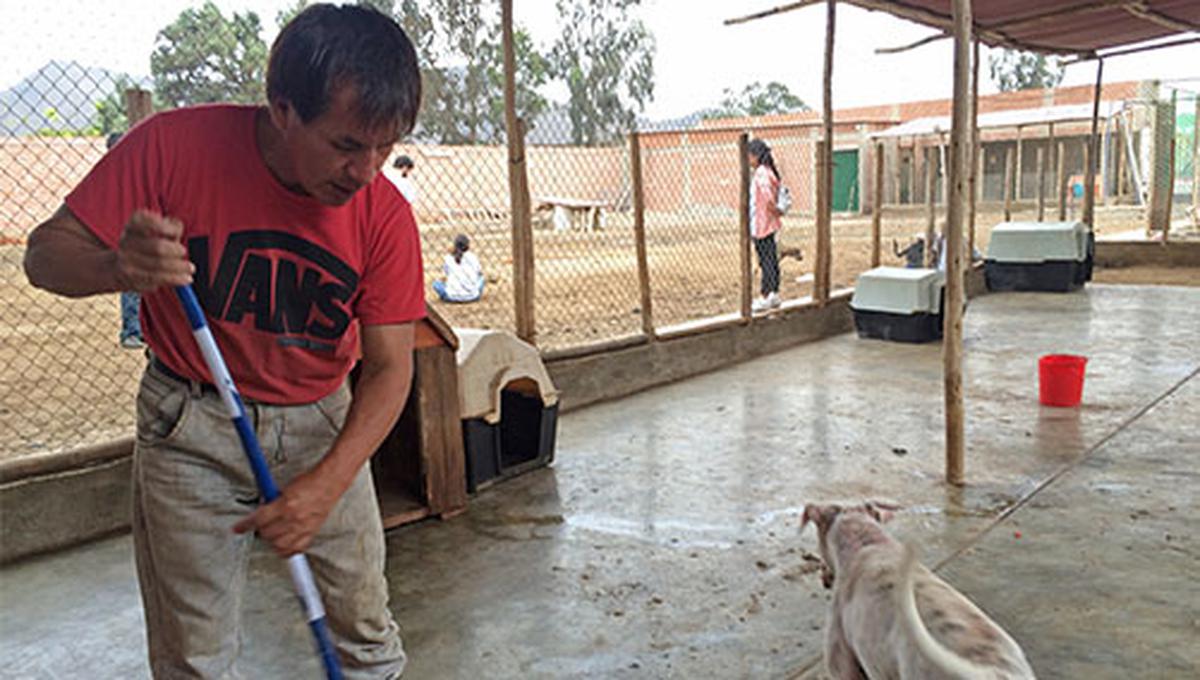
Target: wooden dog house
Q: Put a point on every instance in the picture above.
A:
(419, 467)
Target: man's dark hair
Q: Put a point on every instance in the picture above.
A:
(326, 47)
(402, 162)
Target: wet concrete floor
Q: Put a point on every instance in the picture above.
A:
(664, 541)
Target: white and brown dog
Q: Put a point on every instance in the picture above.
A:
(882, 600)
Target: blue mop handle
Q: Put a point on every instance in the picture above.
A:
(302, 578)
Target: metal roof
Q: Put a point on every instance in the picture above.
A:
(1070, 113)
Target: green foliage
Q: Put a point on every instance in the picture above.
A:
(110, 111)
(606, 58)
(204, 57)
(757, 99)
(1015, 70)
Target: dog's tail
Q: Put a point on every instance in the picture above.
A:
(936, 653)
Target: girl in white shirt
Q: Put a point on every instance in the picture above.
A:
(464, 274)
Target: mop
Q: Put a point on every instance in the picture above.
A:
(302, 578)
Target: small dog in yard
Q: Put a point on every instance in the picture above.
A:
(883, 597)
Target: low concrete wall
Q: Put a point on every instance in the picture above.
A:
(583, 380)
(1118, 254)
(610, 375)
(51, 511)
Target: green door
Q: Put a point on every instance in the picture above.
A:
(845, 181)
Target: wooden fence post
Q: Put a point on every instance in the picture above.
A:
(956, 205)
(139, 104)
(639, 232)
(1020, 163)
(1196, 166)
(877, 207)
(1061, 182)
(1041, 192)
(822, 285)
(744, 222)
(1092, 154)
(518, 187)
(930, 204)
(1008, 187)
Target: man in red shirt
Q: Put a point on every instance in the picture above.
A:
(303, 256)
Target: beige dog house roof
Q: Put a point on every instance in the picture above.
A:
(489, 361)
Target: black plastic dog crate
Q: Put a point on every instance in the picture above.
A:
(523, 440)
(920, 327)
(900, 305)
(1054, 257)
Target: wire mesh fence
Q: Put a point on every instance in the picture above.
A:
(65, 381)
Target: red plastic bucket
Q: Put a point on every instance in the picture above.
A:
(1060, 379)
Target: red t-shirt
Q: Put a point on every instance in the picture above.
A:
(284, 280)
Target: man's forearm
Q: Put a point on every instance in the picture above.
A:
(379, 397)
(69, 266)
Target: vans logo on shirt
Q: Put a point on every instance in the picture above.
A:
(277, 279)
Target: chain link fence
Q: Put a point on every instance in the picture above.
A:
(66, 382)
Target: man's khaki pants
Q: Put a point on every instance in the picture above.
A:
(192, 483)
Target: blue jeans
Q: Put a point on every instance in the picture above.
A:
(131, 326)
(439, 287)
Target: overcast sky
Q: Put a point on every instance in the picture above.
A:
(697, 56)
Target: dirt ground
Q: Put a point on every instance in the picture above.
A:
(65, 382)
(1161, 276)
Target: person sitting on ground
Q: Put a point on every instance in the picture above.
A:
(913, 253)
(405, 184)
(464, 274)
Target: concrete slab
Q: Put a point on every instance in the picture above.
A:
(664, 542)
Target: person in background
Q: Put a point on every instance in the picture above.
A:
(405, 184)
(764, 221)
(131, 325)
(913, 253)
(464, 274)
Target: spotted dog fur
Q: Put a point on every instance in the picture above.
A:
(893, 618)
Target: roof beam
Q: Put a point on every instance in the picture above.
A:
(1144, 12)
(771, 12)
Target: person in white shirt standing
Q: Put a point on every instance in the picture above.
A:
(464, 274)
(405, 184)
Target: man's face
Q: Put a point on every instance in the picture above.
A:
(333, 155)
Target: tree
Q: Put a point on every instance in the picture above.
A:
(204, 57)
(462, 66)
(606, 58)
(757, 99)
(110, 111)
(461, 58)
(1015, 70)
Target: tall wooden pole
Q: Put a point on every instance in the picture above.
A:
(1196, 165)
(930, 203)
(956, 206)
(1171, 168)
(976, 154)
(639, 232)
(877, 207)
(1020, 164)
(1061, 181)
(1008, 184)
(518, 189)
(823, 275)
(1041, 192)
(139, 104)
(1119, 159)
(744, 222)
(1093, 153)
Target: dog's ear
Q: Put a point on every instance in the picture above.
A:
(880, 511)
(821, 515)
